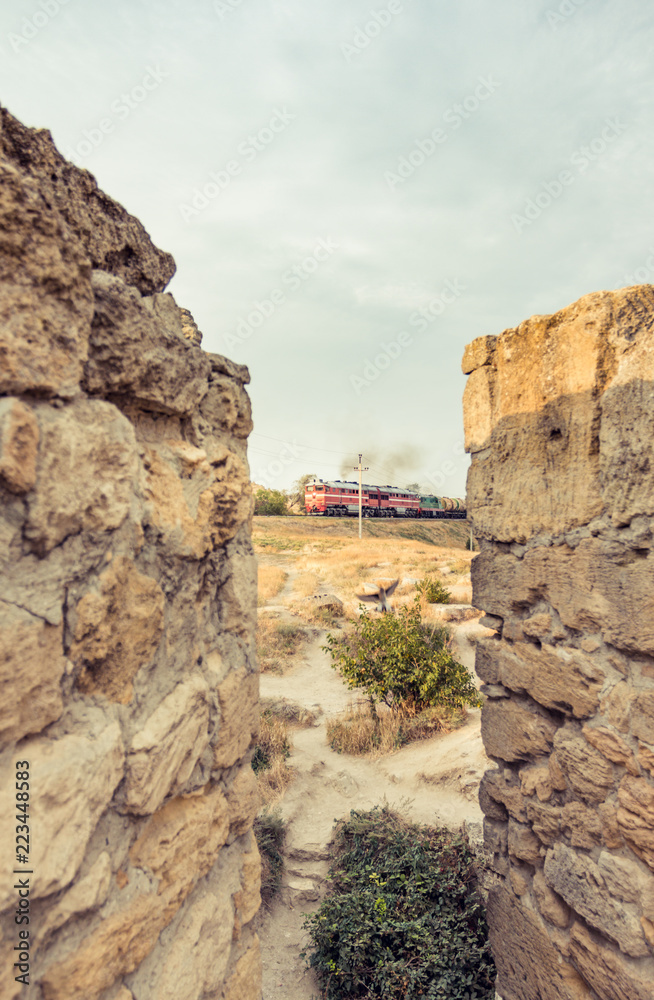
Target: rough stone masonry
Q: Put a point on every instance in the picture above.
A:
(129, 685)
(559, 417)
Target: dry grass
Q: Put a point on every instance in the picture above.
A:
(358, 732)
(306, 584)
(269, 759)
(277, 642)
(270, 581)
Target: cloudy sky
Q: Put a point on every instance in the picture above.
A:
(353, 192)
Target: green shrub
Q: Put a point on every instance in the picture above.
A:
(269, 830)
(402, 662)
(272, 502)
(433, 591)
(403, 919)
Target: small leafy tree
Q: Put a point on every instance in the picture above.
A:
(433, 590)
(296, 496)
(270, 502)
(402, 662)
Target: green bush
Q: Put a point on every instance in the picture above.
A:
(402, 662)
(269, 830)
(433, 591)
(403, 919)
(271, 502)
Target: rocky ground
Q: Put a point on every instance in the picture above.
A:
(433, 781)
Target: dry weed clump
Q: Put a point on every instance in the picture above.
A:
(270, 581)
(277, 642)
(358, 731)
(269, 758)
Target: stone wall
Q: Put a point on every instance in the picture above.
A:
(559, 417)
(127, 609)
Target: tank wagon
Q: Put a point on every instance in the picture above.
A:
(333, 498)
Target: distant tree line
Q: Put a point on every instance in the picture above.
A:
(278, 502)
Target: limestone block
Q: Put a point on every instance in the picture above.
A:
(243, 800)
(626, 426)
(504, 787)
(245, 981)
(495, 836)
(642, 719)
(46, 304)
(646, 758)
(198, 516)
(487, 663)
(554, 676)
(115, 948)
(545, 821)
(137, 350)
(608, 973)
(238, 695)
(636, 816)
(195, 959)
(478, 422)
(117, 630)
(579, 881)
(181, 841)
(512, 731)
(538, 781)
(550, 904)
(99, 227)
(227, 406)
(32, 663)
(220, 365)
(612, 746)
(490, 806)
(162, 754)
(616, 706)
(19, 439)
(581, 825)
(611, 834)
(237, 595)
(86, 473)
(600, 586)
(481, 351)
(589, 773)
(564, 439)
(519, 879)
(74, 779)
(528, 964)
(248, 899)
(90, 892)
(624, 878)
(523, 843)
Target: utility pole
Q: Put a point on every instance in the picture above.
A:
(360, 500)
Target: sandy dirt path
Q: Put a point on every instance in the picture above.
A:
(433, 781)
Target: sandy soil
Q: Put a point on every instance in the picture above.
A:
(433, 781)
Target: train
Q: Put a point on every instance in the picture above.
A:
(333, 498)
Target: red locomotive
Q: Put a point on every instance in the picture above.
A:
(334, 498)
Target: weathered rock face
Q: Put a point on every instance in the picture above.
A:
(559, 421)
(127, 608)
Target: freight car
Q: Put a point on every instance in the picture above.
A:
(333, 498)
